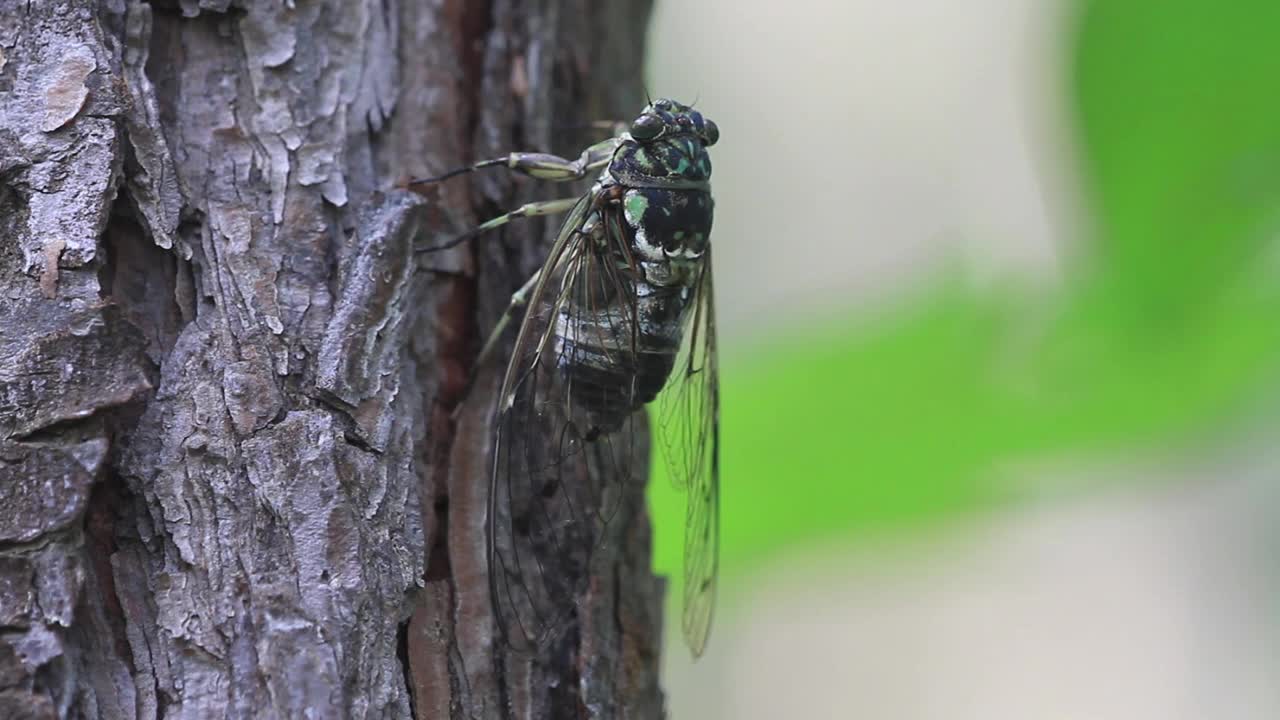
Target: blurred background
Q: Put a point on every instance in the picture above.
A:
(999, 294)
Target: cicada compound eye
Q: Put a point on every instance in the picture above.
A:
(710, 133)
(646, 127)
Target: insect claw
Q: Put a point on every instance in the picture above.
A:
(455, 173)
(455, 242)
(438, 178)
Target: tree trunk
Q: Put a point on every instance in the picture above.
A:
(231, 483)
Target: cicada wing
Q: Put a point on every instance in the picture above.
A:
(548, 502)
(689, 428)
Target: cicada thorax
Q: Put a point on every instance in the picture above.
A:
(678, 160)
(618, 340)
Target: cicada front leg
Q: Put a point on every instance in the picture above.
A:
(537, 165)
(533, 209)
(542, 166)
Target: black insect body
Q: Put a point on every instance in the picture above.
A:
(621, 309)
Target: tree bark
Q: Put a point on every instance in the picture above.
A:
(231, 481)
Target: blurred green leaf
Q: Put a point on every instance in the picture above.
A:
(912, 416)
(1179, 117)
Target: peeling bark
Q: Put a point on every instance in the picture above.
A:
(232, 483)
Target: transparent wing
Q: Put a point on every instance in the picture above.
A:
(689, 419)
(548, 506)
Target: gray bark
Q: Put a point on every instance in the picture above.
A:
(230, 482)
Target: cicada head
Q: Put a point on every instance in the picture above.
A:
(668, 143)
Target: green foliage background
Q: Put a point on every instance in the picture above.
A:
(1167, 329)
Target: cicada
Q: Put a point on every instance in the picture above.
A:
(621, 311)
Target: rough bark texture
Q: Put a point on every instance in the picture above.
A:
(230, 482)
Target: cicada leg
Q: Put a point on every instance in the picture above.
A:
(539, 165)
(533, 209)
(518, 300)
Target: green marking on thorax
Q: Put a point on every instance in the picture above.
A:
(634, 206)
